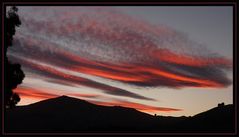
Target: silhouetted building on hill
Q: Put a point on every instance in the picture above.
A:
(82, 116)
(221, 104)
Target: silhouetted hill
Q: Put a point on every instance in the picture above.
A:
(66, 114)
(219, 119)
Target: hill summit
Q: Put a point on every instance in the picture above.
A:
(67, 114)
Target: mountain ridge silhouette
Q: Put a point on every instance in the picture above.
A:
(68, 114)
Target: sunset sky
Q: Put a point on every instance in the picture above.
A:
(161, 60)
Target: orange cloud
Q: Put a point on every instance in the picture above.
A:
(83, 95)
(197, 81)
(29, 94)
(140, 53)
(35, 93)
(166, 55)
(138, 106)
(137, 73)
(57, 75)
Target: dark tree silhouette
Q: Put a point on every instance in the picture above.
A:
(13, 75)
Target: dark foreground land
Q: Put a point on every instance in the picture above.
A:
(66, 114)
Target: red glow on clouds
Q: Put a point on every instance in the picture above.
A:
(134, 39)
(138, 106)
(169, 56)
(59, 76)
(30, 94)
(135, 73)
(83, 95)
(168, 75)
(141, 55)
(139, 77)
(110, 75)
(35, 93)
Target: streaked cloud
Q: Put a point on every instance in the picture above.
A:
(103, 42)
(43, 94)
(57, 76)
(138, 106)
